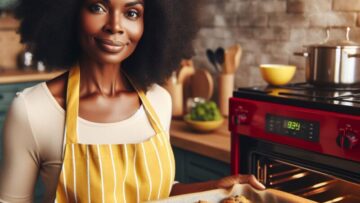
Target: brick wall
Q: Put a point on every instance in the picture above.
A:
(271, 30)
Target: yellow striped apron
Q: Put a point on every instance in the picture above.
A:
(109, 173)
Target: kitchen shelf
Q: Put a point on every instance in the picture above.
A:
(18, 76)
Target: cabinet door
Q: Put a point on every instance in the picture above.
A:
(201, 168)
(6, 97)
(3, 109)
(39, 191)
(179, 165)
(9, 87)
(21, 86)
(192, 167)
(2, 119)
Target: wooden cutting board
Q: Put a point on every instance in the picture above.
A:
(202, 84)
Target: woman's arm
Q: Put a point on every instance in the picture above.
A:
(19, 167)
(227, 182)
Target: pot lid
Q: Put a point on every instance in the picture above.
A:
(337, 43)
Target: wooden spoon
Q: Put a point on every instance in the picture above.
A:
(238, 55)
(232, 58)
(229, 61)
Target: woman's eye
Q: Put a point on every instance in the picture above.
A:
(96, 8)
(133, 14)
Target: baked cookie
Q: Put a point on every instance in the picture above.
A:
(236, 199)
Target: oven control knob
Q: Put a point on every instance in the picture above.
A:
(241, 116)
(347, 139)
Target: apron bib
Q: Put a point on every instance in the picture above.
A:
(107, 173)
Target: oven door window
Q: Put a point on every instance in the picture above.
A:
(305, 173)
(304, 182)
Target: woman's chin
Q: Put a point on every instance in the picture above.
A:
(106, 58)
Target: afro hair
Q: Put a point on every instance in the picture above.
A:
(49, 28)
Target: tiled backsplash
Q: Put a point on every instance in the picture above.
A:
(271, 30)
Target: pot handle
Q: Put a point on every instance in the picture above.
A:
(304, 54)
(357, 55)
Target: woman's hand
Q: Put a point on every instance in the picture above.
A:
(229, 181)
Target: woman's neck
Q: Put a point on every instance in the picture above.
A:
(103, 79)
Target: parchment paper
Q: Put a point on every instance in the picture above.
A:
(255, 196)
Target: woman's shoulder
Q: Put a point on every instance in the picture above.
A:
(26, 100)
(29, 94)
(42, 90)
(36, 101)
(157, 93)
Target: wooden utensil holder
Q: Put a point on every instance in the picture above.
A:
(226, 87)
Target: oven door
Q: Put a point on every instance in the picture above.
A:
(307, 174)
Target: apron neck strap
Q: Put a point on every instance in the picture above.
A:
(151, 113)
(72, 106)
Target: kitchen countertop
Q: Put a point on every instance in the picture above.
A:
(17, 76)
(215, 144)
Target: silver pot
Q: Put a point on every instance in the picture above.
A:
(334, 62)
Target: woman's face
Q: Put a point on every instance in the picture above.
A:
(110, 29)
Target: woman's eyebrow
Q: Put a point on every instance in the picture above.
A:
(133, 3)
(130, 4)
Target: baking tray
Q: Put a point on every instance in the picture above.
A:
(255, 196)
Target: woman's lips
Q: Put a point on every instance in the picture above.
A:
(109, 45)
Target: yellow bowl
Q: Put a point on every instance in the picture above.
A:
(276, 74)
(203, 126)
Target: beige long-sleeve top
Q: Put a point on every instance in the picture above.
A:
(33, 138)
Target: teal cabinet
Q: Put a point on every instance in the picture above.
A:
(192, 167)
(39, 191)
(7, 94)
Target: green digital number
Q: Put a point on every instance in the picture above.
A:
(293, 125)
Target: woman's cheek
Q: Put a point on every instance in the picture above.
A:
(91, 24)
(136, 30)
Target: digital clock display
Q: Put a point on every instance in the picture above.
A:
(292, 125)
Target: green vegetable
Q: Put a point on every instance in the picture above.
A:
(206, 111)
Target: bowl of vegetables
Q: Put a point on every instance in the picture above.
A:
(204, 116)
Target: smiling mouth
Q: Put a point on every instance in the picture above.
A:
(109, 45)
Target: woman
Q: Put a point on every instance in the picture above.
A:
(99, 133)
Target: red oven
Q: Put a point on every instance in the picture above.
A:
(299, 139)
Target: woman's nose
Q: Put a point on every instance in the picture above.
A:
(114, 24)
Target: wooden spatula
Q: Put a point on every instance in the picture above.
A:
(232, 59)
(229, 64)
(238, 54)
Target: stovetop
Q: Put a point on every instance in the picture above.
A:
(337, 99)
